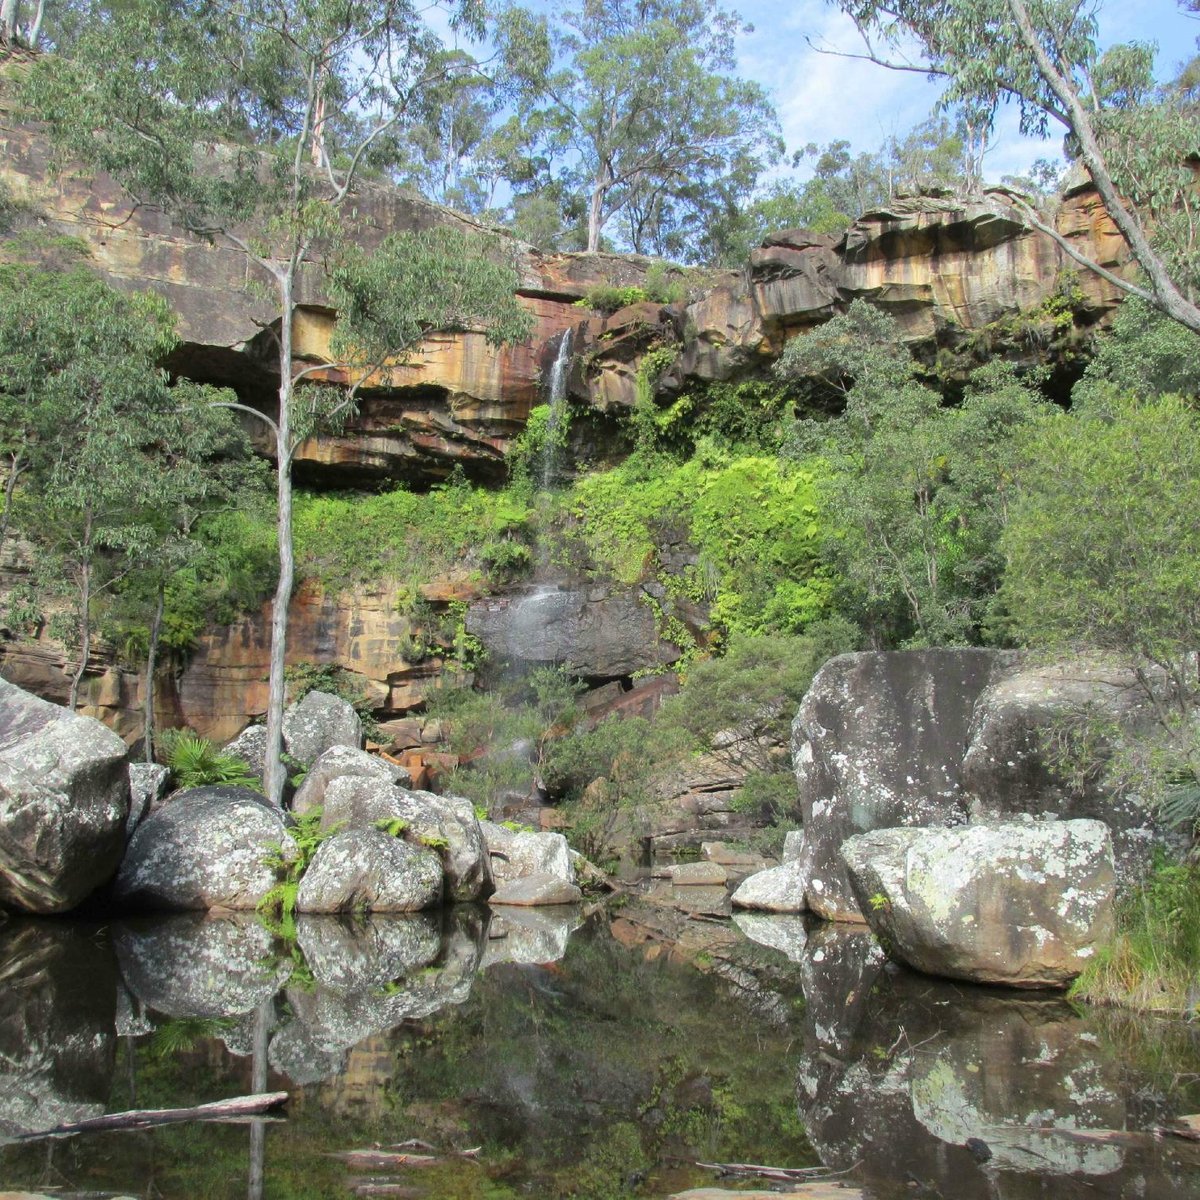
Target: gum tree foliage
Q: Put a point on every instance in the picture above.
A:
(634, 109)
(1137, 142)
(920, 492)
(249, 124)
(109, 469)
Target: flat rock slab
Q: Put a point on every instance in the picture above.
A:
(778, 889)
(1024, 904)
(535, 890)
(698, 874)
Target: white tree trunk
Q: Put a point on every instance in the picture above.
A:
(8, 20)
(274, 774)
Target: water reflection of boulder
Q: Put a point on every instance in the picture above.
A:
(348, 956)
(785, 932)
(920, 1069)
(368, 978)
(528, 936)
(58, 1043)
(194, 965)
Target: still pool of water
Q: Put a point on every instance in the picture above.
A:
(565, 1054)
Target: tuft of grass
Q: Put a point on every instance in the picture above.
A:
(1153, 962)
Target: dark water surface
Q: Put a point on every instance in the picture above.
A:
(589, 1056)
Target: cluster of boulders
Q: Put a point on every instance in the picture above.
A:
(75, 816)
(932, 811)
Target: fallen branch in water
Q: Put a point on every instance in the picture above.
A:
(780, 1173)
(382, 1160)
(234, 1109)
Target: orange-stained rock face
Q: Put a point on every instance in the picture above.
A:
(943, 265)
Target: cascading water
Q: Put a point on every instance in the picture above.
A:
(556, 386)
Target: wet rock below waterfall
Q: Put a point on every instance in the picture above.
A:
(367, 870)
(1018, 904)
(64, 798)
(207, 848)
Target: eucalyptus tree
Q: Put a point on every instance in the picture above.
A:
(1138, 143)
(249, 122)
(635, 108)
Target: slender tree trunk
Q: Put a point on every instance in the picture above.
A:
(35, 30)
(10, 489)
(85, 615)
(274, 774)
(151, 663)
(596, 211)
(8, 21)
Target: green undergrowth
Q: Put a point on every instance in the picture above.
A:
(1151, 963)
(753, 520)
(349, 539)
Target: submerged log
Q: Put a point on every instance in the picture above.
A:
(235, 1109)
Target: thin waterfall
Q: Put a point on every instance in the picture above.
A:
(557, 388)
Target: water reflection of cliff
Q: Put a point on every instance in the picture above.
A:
(934, 1090)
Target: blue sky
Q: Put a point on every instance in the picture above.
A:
(822, 97)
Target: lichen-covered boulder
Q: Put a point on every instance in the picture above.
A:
(64, 799)
(206, 849)
(518, 853)
(532, 891)
(367, 870)
(878, 742)
(777, 889)
(1007, 769)
(365, 955)
(147, 786)
(316, 723)
(444, 823)
(1024, 904)
(339, 761)
(251, 747)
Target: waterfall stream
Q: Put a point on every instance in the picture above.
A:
(556, 387)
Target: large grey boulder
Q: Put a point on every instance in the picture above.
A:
(445, 823)
(206, 849)
(1024, 904)
(314, 724)
(942, 737)
(878, 742)
(515, 854)
(318, 722)
(340, 761)
(780, 889)
(64, 798)
(1006, 769)
(367, 870)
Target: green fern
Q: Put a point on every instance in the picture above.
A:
(277, 909)
(392, 826)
